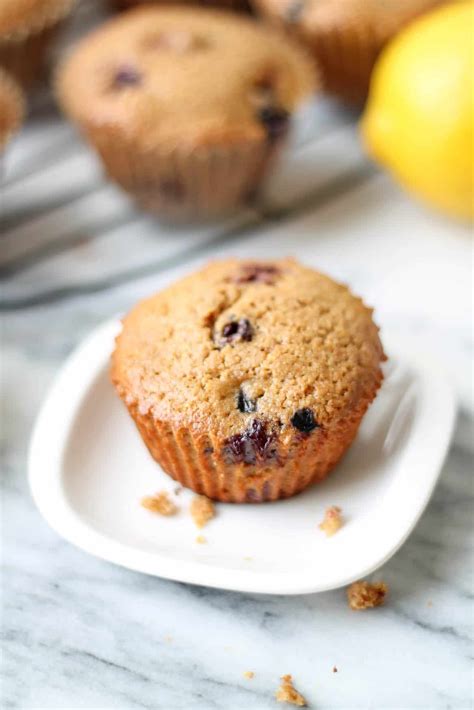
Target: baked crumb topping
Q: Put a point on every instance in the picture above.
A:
(332, 520)
(159, 503)
(364, 595)
(201, 540)
(202, 510)
(249, 675)
(286, 693)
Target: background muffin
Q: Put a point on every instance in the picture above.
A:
(12, 107)
(344, 36)
(26, 29)
(186, 107)
(248, 381)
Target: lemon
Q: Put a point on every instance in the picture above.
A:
(419, 117)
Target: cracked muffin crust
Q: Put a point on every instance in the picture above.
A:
(255, 418)
(187, 107)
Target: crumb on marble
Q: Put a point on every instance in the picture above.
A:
(201, 540)
(202, 510)
(159, 503)
(332, 520)
(334, 669)
(249, 675)
(366, 595)
(287, 693)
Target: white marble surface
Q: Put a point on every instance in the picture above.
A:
(81, 633)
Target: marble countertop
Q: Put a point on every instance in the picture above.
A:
(82, 633)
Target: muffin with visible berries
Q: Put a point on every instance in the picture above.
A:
(186, 107)
(12, 107)
(248, 380)
(26, 30)
(345, 36)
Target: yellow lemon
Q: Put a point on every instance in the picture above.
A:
(419, 117)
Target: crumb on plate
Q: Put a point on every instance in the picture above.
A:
(159, 503)
(201, 540)
(249, 675)
(334, 669)
(202, 510)
(332, 520)
(366, 595)
(286, 693)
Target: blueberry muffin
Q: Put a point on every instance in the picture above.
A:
(26, 30)
(186, 107)
(12, 107)
(248, 380)
(345, 36)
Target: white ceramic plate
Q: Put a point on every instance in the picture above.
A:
(89, 469)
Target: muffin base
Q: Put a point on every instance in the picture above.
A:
(187, 185)
(196, 461)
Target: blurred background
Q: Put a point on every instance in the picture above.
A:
(378, 194)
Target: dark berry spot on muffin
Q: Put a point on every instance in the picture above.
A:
(245, 404)
(304, 421)
(257, 273)
(237, 330)
(252, 446)
(275, 120)
(126, 76)
(178, 41)
(294, 11)
(209, 450)
(252, 496)
(263, 90)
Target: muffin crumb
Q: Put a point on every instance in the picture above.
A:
(332, 520)
(201, 540)
(202, 510)
(365, 595)
(334, 669)
(286, 693)
(249, 675)
(429, 603)
(159, 503)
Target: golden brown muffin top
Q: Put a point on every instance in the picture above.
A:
(179, 75)
(12, 107)
(24, 16)
(379, 18)
(237, 342)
